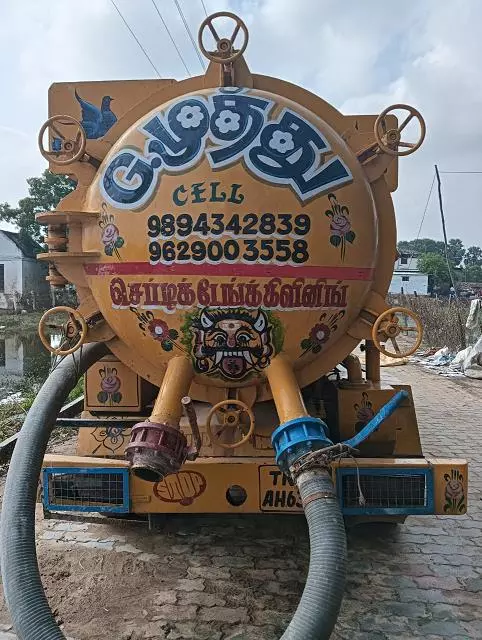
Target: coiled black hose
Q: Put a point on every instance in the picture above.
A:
(30, 612)
(320, 603)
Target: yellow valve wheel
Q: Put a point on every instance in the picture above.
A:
(393, 324)
(225, 46)
(390, 140)
(73, 329)
(64, 149)
(231, 420)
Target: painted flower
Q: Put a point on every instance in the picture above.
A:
(110, 234)
(454, 490)
(190, 117)
(364, 414)
(110, 384)
(340, 224)
(281, 141)
(114, 434)
(320, 333)
(227, 121)
(158, 329)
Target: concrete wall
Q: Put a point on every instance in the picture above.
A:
(33, 280)
(416, 283)
(11, 258)
(11, 355)
(406, 263)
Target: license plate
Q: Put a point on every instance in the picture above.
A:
(276, 491)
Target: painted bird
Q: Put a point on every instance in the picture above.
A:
(96, 122)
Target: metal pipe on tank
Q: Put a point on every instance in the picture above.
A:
(285, 389)
(372, 359)
(158, 447)
(175, 385)
(353, 368)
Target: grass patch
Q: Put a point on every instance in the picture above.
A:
(439, 318)
(20, 322)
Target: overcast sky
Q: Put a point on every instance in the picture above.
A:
(360, 55)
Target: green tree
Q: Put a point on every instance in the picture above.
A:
(435, 266)
(473, 257)
(422, 245)
(45, 193)
(455, 249)
(473, 273)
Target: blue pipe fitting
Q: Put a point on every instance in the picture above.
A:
(298, 437)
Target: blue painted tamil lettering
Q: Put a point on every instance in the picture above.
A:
(137, 177)
(236, 119)
(286, 151)
(291, 151)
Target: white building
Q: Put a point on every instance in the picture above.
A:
(22, 276)
(406, 276)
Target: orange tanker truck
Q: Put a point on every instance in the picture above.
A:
(231, 239)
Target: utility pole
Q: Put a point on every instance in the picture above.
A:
(449, 266)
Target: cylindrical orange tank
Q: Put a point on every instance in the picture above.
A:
(236, 224)
(231, 218)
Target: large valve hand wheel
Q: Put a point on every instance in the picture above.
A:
(402, 328)
(390, 140)
(66, 323)
(66, 144)
(230, 413)
(225, 52)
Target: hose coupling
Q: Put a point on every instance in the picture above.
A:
(156, 450)
(296, 438)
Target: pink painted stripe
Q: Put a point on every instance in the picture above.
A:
(238, 269)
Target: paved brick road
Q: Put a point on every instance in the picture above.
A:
(241, 578)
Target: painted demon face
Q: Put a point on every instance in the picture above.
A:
(231, 342)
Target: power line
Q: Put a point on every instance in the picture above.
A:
(170, 36)
(466, 172)
(204, 7)
(200, 58)
(424, 214)
(426, 207)
(135, 38)
(449, 267)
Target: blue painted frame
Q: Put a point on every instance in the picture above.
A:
(428, 508)
(123, 508)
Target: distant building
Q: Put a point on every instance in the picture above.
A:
(22, 276)
(406, 276)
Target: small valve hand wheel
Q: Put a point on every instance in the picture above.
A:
(230, 412)
(73, 331)
(64, 148)
(390, 140)
(393, 324)
(225, 52)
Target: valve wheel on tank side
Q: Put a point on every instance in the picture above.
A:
(393, 324)
(390, 140)
(73, 331)
(225, 52)
(230, 412)
(65, 149)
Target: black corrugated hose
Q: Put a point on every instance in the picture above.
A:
(320, 603)
(30, 612)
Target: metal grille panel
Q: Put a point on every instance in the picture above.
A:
(93, 489)
(386, 491)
